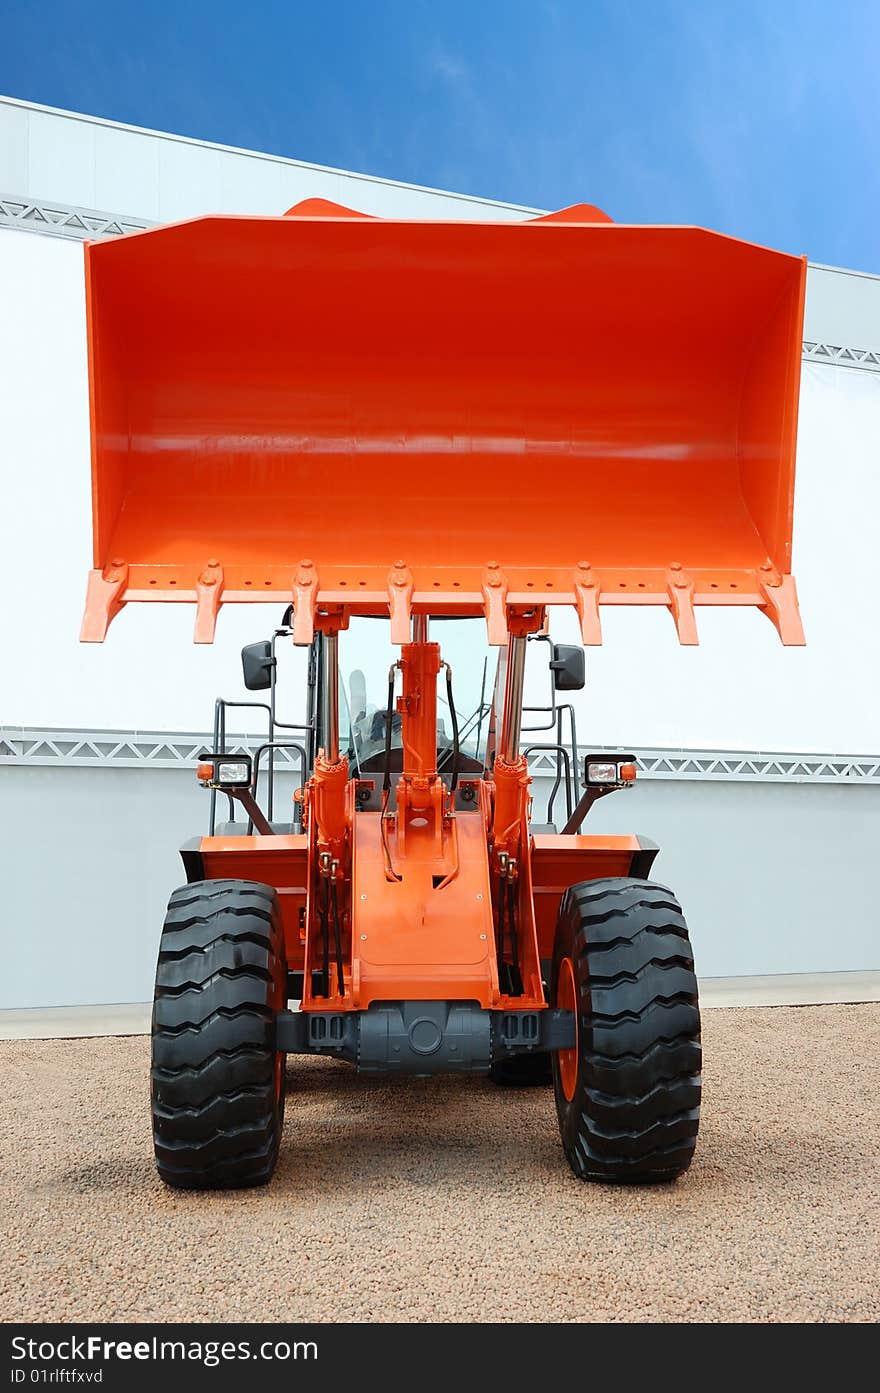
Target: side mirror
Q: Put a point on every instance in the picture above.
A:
(568, 667)
(257, 664)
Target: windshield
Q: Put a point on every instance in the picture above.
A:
(365, 656)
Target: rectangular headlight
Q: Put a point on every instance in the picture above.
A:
(233, 772)
(602, 773)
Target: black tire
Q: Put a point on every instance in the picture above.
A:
(634, 1078)
(522, 1071)
(217, 1081)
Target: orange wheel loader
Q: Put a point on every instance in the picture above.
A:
(419, 437)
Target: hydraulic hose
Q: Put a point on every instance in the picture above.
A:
(453, 716)
(324, 918)
(337, 937)
(389, 715)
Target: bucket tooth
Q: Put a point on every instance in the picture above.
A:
(305, 603)
(586, 600)
(680, 588)
(495, 587)
(209, 597)
(400, 593)
(103, 601)
(780, 604)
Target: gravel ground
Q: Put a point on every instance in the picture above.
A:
(450, 1200)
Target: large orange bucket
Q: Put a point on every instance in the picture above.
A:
(607, 413)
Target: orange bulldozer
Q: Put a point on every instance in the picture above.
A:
(420, 437)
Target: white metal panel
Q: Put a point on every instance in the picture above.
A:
(84, 926)
(127, 171)
(249, 185)
(73, 156)
(843, 307)
(14, 144)
(771, 878)
(61, 159)
(189, 178)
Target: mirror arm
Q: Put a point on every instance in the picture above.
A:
(253, 810)
(588, 798)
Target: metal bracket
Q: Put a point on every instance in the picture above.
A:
(252, 808)
(779, 594)
(209, 596)
(305, 603)
(644, 858)
(680, 588)
(537, 1031)
(589, 796)
(400, 593)
(317, 1032)
(495, 601)
(586, 600)
(103, 601)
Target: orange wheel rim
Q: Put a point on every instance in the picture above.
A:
(566, 1000)
(280, 1004)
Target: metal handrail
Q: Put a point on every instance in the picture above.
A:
(221, 706)
(562, 757)
(273, 745)
(219, 734)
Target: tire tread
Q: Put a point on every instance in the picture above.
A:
(635, 1112)
(216, 1119)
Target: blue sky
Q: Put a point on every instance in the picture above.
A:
(759, 118)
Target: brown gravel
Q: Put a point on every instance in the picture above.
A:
(450, 1200)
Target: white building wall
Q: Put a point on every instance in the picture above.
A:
(740, 689)
(82, 160)
(775, 879)
(771, 878)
